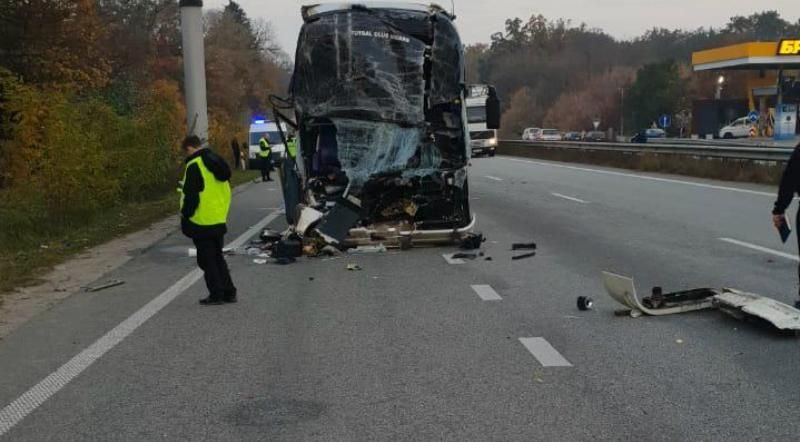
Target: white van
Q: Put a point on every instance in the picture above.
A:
(531, 134)
(740, 128)
(269, 130)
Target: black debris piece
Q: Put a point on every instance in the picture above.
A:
(469, 256)
(473, 241)
(336, 224)
(523, 256)
(105, 285)
(585, 303)
(488, 258)
(524, 246)
(270, 236)
(288, 248)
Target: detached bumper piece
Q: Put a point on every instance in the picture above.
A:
(741, 305)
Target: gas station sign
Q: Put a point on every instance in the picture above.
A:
(789, 47)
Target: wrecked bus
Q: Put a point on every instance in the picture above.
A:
(377, 100)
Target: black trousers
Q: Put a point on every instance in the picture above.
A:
(215, 269)
(266, 166)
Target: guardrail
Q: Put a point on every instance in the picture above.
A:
(727, 152)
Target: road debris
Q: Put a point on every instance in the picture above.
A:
(523, 256)
(469, 256)
(523, 246)
(260, 261)
(741, 305)
(585, 303)
(354, 267)
(472, 241)
(367, 250)
(105, 285)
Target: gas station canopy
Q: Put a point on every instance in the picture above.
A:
(783, 55)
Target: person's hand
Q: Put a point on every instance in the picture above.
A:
(777, 220)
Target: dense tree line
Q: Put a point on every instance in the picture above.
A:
(563, 75)
(91, 108)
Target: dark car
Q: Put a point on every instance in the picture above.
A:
(572, 136)
(595, 136)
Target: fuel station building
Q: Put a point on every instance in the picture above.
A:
(773, 90)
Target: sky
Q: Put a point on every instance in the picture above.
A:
(478, 19)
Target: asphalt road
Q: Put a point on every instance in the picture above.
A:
(415, 348)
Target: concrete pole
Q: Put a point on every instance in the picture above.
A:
(194, 68)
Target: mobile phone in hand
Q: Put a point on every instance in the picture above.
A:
(785, 230)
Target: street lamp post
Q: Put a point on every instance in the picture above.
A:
(194, 68)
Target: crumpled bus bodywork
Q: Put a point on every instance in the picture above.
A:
(378, 100)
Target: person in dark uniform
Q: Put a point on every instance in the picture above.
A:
(790, 186)
(236, 152)
(265, 155)
(205, 202)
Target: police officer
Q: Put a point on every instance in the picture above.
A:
(790, 185)
(205, 202)
(291, 147)
(265, 155)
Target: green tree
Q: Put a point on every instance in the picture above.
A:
(659, 89)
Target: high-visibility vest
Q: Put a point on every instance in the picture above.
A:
(266, 150)
(291, 148)
(215, 199)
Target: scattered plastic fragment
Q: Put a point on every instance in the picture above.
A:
(354, 267)
(105, 285)
(524, 246)
(367, 250)
(469, 256)
(679, 341)
(472, 241)
(260, 261)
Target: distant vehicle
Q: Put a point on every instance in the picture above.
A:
(531, 133)
(572, 136)
(483, 141)
(739, 128)
(269, 130)
(655, 133)
(595, 136)
(550, 135)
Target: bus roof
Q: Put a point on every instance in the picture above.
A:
(311, 11)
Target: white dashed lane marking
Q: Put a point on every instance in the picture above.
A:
(569, 198)
(493, 178)
(544, 352)
(486, 292)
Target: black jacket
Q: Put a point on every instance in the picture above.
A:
(790, 183)
(192, 187)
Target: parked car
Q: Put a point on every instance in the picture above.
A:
(595, 136)
(531, 133)
(655, 133)
(739, 128)
(572, 136)
(550, 135)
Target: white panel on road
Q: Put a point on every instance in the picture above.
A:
(544, 352)
(494, 178)
(486, 292)
(450, 260)
(761, 249)
(14, 412)
(569, 198)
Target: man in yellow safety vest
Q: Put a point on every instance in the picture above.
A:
(265, 155)
(205, 202)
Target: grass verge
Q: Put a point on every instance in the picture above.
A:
(23, 260)
(765, 172)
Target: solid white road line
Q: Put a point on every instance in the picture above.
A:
(14, 412)
(644, 177)
(544, 352)
(577, 200)
(486, 292)
(761, 249)
(450, 260)
(493, 178)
